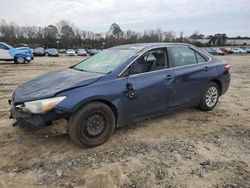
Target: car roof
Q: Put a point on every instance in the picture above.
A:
(4, 43)
(145, 46)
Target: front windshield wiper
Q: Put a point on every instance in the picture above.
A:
(75, 68)
(109, 72)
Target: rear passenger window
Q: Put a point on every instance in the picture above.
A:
(183, 56)
(200, 59)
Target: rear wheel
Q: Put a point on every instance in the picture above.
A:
(210, 97)
(19, 60)
(92, 125)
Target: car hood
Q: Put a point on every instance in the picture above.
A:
(49, 84)
(14, 51)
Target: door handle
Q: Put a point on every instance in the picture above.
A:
(169, 77)
(206, 68)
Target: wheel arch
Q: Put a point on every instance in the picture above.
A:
(19, 55)
(218, 84)
(104, 101)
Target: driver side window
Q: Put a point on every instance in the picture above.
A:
(151, 61)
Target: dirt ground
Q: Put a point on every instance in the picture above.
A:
(188, 148)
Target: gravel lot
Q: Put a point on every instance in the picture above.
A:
(188, 148)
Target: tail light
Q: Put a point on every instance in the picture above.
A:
(227, 67)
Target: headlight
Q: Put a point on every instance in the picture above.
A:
(42, 106)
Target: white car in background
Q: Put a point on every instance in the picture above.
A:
(71, 52)
(238, 51)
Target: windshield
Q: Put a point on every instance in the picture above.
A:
(106, 61)
(81, 50)
(9, 46)
(39, 49)
(52, 50)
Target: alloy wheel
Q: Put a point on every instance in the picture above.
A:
(211, 96)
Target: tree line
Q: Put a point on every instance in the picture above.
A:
(65, 34)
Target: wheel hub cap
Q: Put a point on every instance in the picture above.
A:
(211, 96)
(95, 124)
(20, 60)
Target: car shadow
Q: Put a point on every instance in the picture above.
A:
(141, 123)
(10, 63)
(58, 132)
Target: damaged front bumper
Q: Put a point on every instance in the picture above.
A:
(29, 120)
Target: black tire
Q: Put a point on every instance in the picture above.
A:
(92, 124)
(19, 60)
(204, 103)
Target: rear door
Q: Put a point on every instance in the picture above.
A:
(192, 74)
(149, 86)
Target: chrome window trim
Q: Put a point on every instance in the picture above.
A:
(195, 49)
(139, 74)
(171, 68)
(156, 47)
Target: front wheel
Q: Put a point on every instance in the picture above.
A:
(210, 97)
(19, 60)
(92, 125)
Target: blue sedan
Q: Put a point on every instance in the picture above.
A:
(119, 86)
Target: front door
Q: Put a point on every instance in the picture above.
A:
(149, 87)
(4, 52)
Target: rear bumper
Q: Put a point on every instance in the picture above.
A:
(30, 120)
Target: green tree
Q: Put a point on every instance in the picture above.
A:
(50, 36)
(116, 31)
(67, 36)
(197, 35)
(218, 39)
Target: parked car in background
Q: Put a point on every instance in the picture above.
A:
(211, 51)
(218, 51)
(71, 52)
(226, 50)
(93, 51)
(119, 86)
(238, 51)
(18, 55)
(52, 52)
(248, 50)
(81, 52)
(62, 51)
(39, 51)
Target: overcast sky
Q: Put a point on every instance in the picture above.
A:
(206, 16)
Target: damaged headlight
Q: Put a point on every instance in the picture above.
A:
(41, 106)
